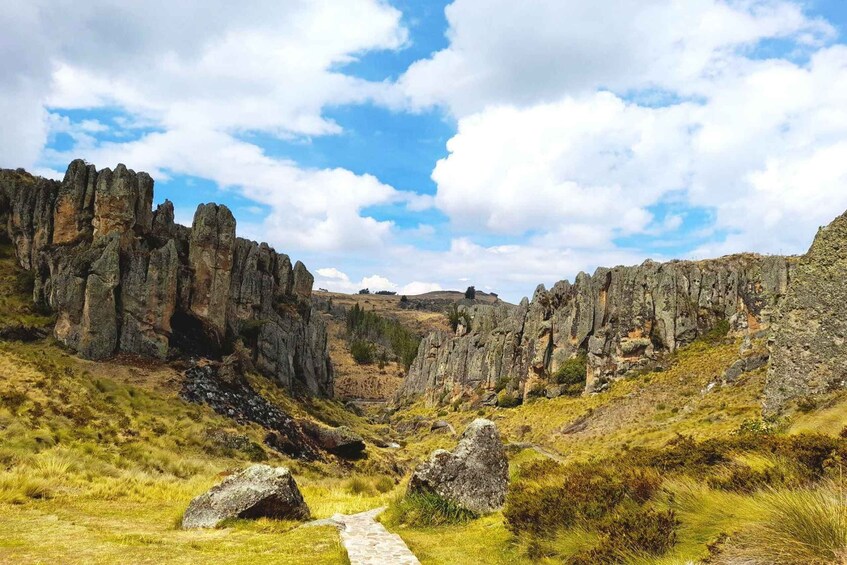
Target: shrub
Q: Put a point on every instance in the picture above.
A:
(503, 382)
(538, 510)
(506, 399)
(638, 531)
(456, 316)
(384, 484)
(362, 352)
(745, 479)
(587, 492)
(470, 293)
(682, 454)
(427, 509)
(572, 375)
(806, 404)
(766, 426)
(24, 282)
(717, 333)
(370, 327)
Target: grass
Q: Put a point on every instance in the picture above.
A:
(425, 509)
(798, 526)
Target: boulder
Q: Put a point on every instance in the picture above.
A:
(259, 491)
(340, 441)
(474, 476)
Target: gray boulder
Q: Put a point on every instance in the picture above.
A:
(259, 491)
(340, 441)
(474, 476)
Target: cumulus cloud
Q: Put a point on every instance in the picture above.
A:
(200, 78)
(523, 53)
(573, 129)
(335, 280)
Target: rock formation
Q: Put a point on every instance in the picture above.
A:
(340, 441)
(809, 342)
(621, 319)
(123, 278)
(474, 476)
(259, 491)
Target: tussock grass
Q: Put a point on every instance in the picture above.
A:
(425, 509)
(800, 526)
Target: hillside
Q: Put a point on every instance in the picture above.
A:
(421, 314)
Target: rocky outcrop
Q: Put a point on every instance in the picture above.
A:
(228, 393)
(474, 476)
(809, 343)
(340, 441)
(210, 259)
(621, 319)
(124, 278)
(259, 491)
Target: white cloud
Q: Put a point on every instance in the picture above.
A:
(335, 280)
(523, 53)
(556, 140)
(201, 75)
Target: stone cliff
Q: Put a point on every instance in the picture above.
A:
(620, 319)
(809, 339)
(121, 277)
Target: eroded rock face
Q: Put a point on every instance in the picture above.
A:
(474, 476)
(210, 257)
(621, 318)
(259, 491)
(809, 344)
(122, 277)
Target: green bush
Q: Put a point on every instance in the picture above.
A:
(362, 352)
(503, 382)
(572, 375)
(506, 399)
(425, 510)
(360, 485)
(384, 484)
(717, 333)
(456, 316)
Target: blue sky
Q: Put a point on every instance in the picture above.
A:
(413, 146)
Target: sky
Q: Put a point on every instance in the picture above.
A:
(415, 145)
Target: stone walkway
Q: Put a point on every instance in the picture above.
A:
(368, 542)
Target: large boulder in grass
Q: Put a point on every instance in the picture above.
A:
(259, 491)
(340, 441)
(474, 476)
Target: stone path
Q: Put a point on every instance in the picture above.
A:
(368, 542)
